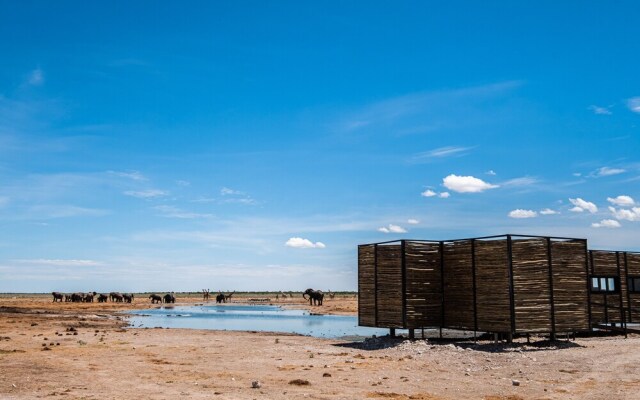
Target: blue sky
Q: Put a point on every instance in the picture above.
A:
(253, 145)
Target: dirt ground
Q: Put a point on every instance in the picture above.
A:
(83, 351)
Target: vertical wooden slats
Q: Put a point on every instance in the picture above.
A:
(366, 285)
(458, 285)
(492, 286)
(570, 285)
(423, 284)
(532, 291)
(389, 286)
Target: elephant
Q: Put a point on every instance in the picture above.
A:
(222, 298)
(77, 297)
(155, 298)
(68, 297)
(57, 296)
(315, 296)
(102, 298)
(169, 298)
(116, 297)
(88, 297)
(128, 297)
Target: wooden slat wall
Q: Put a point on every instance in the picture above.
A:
(570, 285)
(604, 263)
(389, 292)
(633, 266)
(532, 291)
(366, 286)
(424, 306)
(458, 285)
(492, 283)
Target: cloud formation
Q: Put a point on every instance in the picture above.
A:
(625, 214)
(548, 211)
(428, 193)
(36, 77)
(622, 201)
(600, 110)
(608, 171)
(392, 229)
(634, 104)
(412, 221)
(442, 152)
(520, 213)
(146, 194)
(466, 184)
(59, 263)
(133, 175)
(583, 205)
(606, 223)
(300, 243)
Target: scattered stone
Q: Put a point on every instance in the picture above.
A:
(34, 324)
(326, 375)
(45, 348)
(299, 382)
(515, 382)
(256, 384)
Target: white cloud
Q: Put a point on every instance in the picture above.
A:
(133, 175)
(36, 77)
(621, 201)
(520, 213)
(59, 263)
(583, 205)
(392, 229)
(608, 171)
(634, 104)
(600, 110)
(491, 172)
(466, 184)
(181, 182)
(606, 223)
(444, 195)
(412, 221)
(146, 194)
(548, 211)
(175, 212)
(428, 193)
(441, 152)
(577, 209)
(300, 243)
(225, 191)
(523, 181)
(624, 214)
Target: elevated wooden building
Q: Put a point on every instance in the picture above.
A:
(509, 284)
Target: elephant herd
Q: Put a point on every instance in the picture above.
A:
(81, 297)
(315, 297)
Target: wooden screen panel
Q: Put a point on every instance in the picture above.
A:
(570, 291)
(389, 286)
(423, 284)
(492, 286)
(366, 285)
(458, 285)
(531, 287)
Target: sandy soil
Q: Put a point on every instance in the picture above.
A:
(82, 351)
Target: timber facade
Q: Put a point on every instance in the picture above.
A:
(508, 284)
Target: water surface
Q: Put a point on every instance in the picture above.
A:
(252, 318)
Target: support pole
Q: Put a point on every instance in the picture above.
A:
(551, 299)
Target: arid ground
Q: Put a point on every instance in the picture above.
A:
(84, 351)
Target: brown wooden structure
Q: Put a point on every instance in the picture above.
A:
(509, 284)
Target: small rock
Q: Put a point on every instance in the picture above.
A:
(326, 375)
(256, 384)
(515, 382)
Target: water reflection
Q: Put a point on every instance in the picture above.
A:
(252, 318)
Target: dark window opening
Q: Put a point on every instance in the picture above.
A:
(608, 284)
(633, 284)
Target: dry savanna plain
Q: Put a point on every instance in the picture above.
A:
(86, 351)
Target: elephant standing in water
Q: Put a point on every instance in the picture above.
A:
(315, 296)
